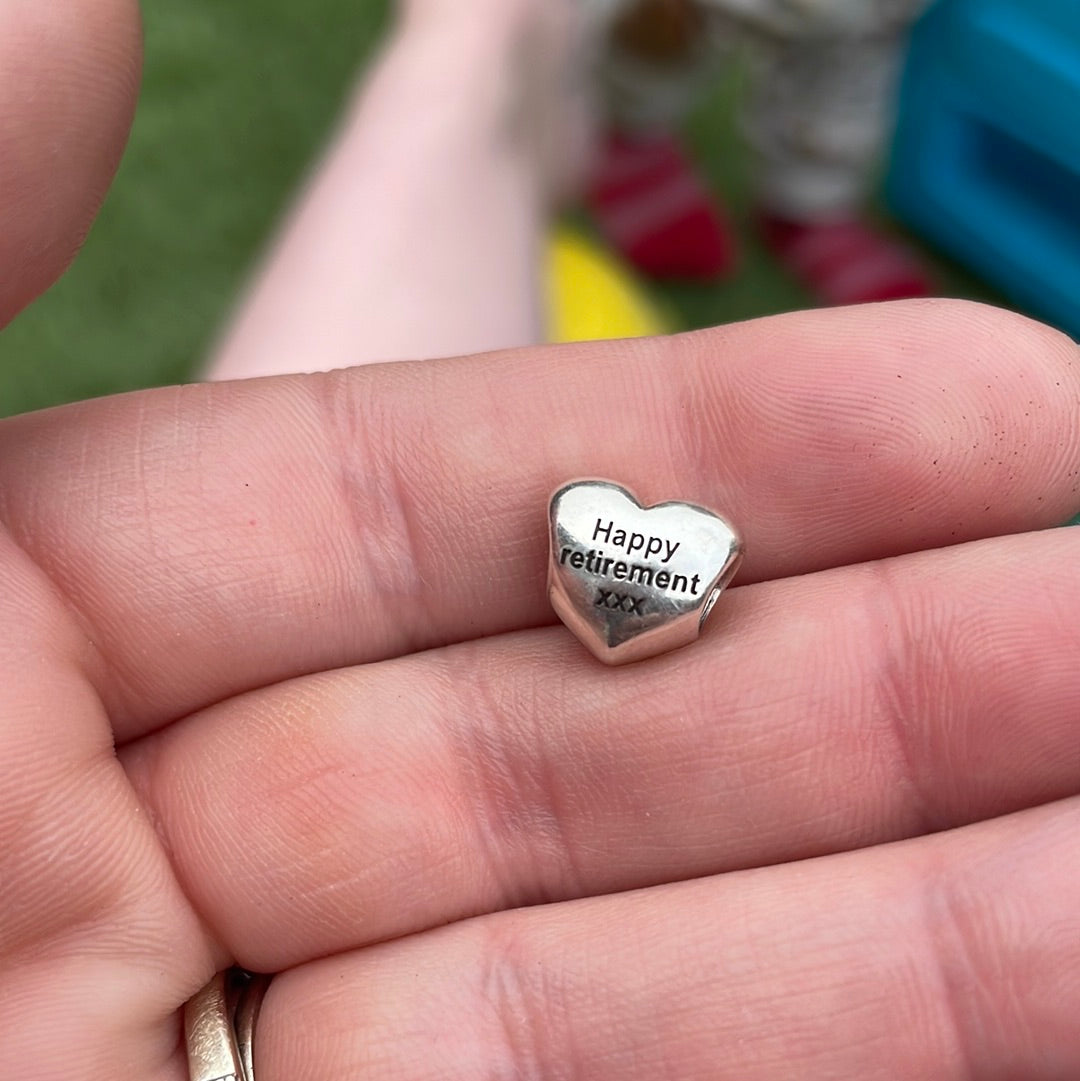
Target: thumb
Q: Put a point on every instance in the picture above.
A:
(69, 75)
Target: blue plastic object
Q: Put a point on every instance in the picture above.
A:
(986, 159)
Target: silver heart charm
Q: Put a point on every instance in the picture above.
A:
(633, 581)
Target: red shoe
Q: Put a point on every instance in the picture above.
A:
(656, 211)
(846, 262)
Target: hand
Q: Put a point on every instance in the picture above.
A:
(280, 687)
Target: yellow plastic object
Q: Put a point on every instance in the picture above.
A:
(591, 296)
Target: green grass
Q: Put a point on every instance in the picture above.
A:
(237, 99)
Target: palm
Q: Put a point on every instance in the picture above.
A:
(309, 615)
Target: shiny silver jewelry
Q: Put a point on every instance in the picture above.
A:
(219, 1026)
(633, 581)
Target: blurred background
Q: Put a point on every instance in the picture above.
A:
(237, 100)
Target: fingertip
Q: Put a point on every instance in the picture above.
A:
(69, 77)
(1002, 324)
(1032, 375)
(950, 419)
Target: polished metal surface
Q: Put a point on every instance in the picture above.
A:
(246, 1018)
(633, 581)
(208, 1030)
(219, 1027)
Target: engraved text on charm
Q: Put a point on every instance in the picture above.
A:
(633, 581)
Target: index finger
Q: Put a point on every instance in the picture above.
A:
(218, 538)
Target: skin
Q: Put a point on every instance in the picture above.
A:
(280, 686)
(421, 232)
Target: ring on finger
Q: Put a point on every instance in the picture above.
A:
(219, 1026)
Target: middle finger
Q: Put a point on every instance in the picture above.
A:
(830, 712)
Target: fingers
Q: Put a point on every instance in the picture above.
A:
(953, 957)
(829, 712)
(69, 73)
(220, 538)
